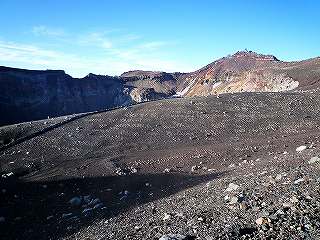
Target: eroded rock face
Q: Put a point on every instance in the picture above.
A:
(146, 94)
(231, 82)
(30, 95)
(245, 71)
(161, 82)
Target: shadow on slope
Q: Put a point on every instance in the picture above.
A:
(41, 210)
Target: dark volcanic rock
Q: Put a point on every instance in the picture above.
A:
(29, 95)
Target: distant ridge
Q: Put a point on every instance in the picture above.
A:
(27, 95)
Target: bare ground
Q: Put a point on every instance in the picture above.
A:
(163, 168)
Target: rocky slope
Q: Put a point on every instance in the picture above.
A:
(30, 95)
(241, 166)
(251, 72)
(150, 85)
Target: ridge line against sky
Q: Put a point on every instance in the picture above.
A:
(112, 37)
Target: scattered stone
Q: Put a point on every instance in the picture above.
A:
(173, 237)
(233, 200)
(287, 205)
(125, 171)
(308, 197)
(98, 206)
(6, 175)
(199, 156)
(263, 172)
(271, 180)
(67, 215)
(87, 211)
(166, 217)
(279, 212)
(278, 177)
(314, 160)
(244, 205)
(195, 167)
(262, 220)
(294, 199)
(232, 187)
(286, 182)
(120, 172)
(273, 217)
(94, 202)
(167, 170)
(124, 194)
(153, 210)
(301, 148)
(87, 199)
(137, 228)
(208, 134)
(298, 181)
(181, 215)
(75, 201)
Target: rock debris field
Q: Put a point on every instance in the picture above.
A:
(238, 166)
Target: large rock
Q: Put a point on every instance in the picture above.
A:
(174, 237)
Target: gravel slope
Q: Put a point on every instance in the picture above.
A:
(166, 167)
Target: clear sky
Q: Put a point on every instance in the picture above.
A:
(113, 36)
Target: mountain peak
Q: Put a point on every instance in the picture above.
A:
(254, 55)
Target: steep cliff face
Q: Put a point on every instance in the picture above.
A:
(29, 95)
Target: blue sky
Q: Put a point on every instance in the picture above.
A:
(110, 37)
